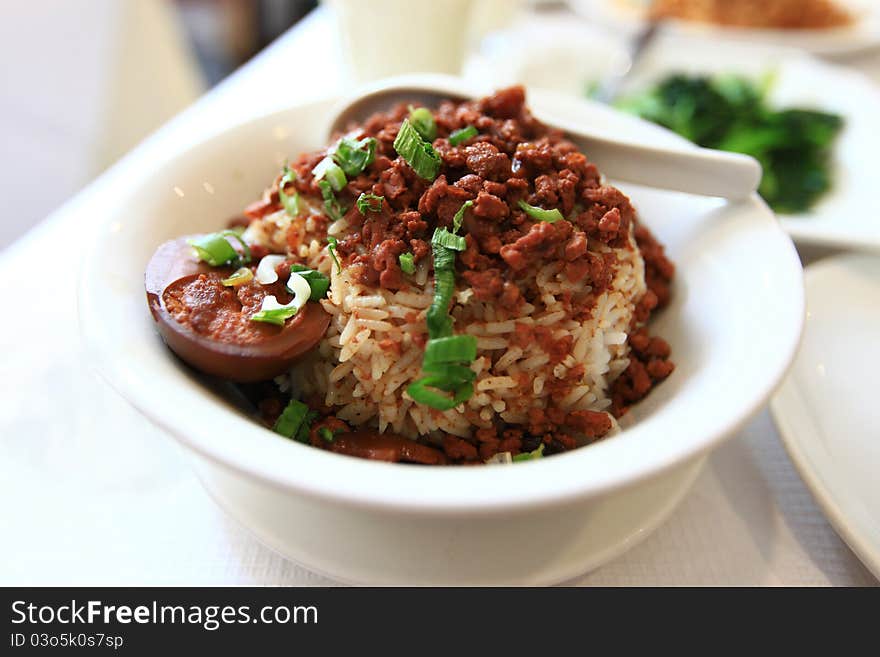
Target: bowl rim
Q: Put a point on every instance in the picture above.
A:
(260, 455)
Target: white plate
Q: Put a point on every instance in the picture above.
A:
(827, 410)
(848, 216)
(864, 34)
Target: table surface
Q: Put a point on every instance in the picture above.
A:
(96, 495)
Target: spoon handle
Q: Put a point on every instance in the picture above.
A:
(693, 170)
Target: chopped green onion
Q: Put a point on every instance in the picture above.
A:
(453, 375)
(369, 203)
(529, 456)
(331, 204)
(423, 121)
(328, 170)
(327, 434)
(292, 419)
(444, 238)
(446, 355)
(302, 436)
(239, 277)
(216, 250)
(438, 319)
(459, 216)
(318, 282)
(462, 135)
(418, 153)
(332, 243)
(406, 263)
(540, 214)
(289, 202)
(421, 393)
(451, 349)
(275, 316)
(354, 156)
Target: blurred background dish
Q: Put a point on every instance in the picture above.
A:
(853, 25)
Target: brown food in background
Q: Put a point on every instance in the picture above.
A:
(767, 14)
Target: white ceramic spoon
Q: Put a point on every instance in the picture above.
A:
(694, 170)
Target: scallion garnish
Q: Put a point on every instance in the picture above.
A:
(406, 263)
(417, 152)
(540, 214)
(454, 374)
(328, 170)
(449, 240)
(423, 121)
(326, 434)
(529, 456)
(446, 355)
(462, 135)
(354, 156)
(290, 202)
(332, 243)
(369, 203)
(273, 312)
(216, 250)
(318, 282)
(276, 316)
(459, 216)
(331, 204)
(291, 419)
(239, 277)
(438, 319)
(450, 349)
(421, 392)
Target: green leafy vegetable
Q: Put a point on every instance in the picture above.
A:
(318, 282)
(462, 135)
(217, 251)
(331, 204)
(295, 421)
(540, 214)
(275, 316)
(332, 243)
(423, 121)
(290, 202)
(417, 152)
(530, 456)
(369, 203)
(459, 216)
(354, 156)
(406, 263)
(732, 113)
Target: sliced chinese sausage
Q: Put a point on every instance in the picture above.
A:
(385, 447)
(207, 324)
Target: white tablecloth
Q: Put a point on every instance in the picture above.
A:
(94, 494)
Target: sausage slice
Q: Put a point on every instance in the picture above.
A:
(208, 324)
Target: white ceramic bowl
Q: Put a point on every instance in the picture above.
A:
(734, 326)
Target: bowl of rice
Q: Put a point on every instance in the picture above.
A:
(474, 292)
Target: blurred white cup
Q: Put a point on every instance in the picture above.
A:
(392, 37)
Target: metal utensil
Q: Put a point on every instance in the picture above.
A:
(693, 170)
(610, 86)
